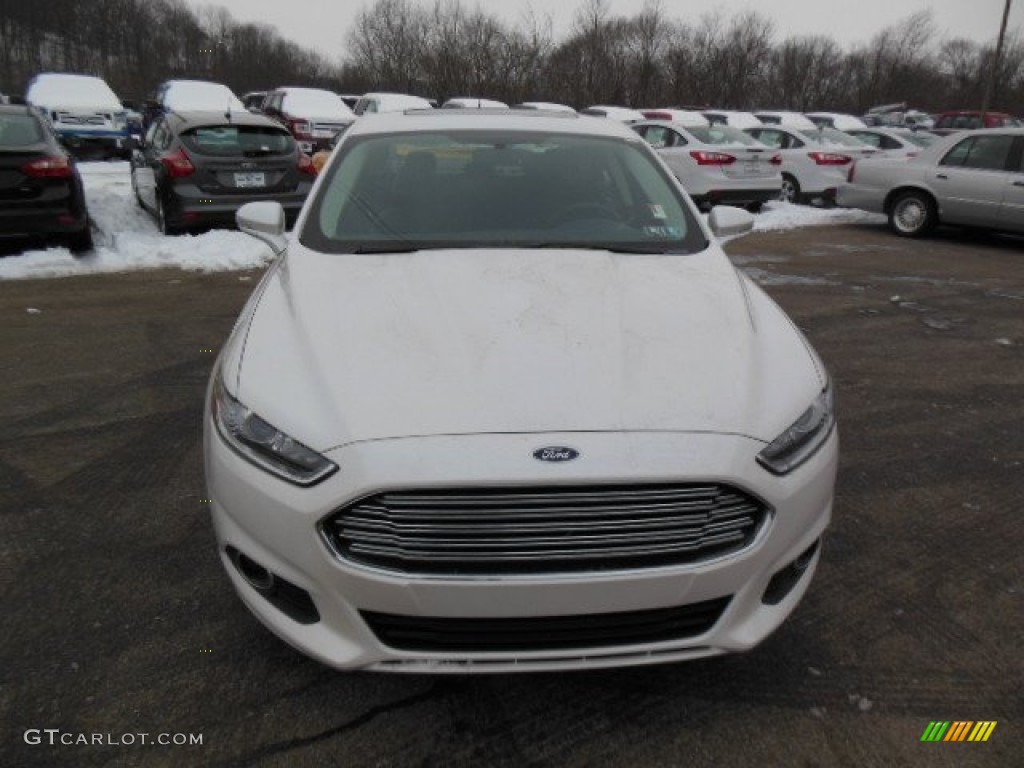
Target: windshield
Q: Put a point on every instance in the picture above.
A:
(921, 138)
(239, 141)
(721, 134)
(828, 136)
(19, 131)
(303, 101)
(498, 189)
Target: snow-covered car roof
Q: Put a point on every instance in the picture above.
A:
(547, 106)
(469, 102)
(624, 114)
(734, 118)
(53, 89)
(840, 121)
(487, 119)
(396, 102)
(681, 116)
(315, 101)
(786, 119)
(199, 95)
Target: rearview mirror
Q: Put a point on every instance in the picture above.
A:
(729, 221)
(265, 221)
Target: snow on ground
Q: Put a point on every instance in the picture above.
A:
(128, 239)
(777, 217)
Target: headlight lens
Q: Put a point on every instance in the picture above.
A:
(265, 445)
(804, 436)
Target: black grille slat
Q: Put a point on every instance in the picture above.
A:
(455, 532)
(545, 633)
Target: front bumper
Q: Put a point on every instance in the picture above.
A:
(276, 525)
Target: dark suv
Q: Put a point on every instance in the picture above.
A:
(195, 169)
(40, 189)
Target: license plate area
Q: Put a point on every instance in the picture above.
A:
(249, 180)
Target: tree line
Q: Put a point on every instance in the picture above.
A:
(445, 48)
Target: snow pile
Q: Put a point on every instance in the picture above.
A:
(778, 217)
(127, 238)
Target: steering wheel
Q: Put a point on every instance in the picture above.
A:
(585, 210)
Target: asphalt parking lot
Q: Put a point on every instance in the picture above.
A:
(118, 619)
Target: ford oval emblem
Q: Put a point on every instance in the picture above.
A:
(556, 453)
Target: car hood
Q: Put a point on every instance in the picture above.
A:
(347, 348)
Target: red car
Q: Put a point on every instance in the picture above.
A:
(971, 119)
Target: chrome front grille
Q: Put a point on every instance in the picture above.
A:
(484, 531)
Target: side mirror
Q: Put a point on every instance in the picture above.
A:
(265, 221)
(729, 221)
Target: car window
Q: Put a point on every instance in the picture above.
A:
(160, 136)
(775, 139)
(498, 189)
(239, 141)
(873, 139)
(981, 152)
(660, 137)
(19, 131)
(967, 122)
(920, 138)
(721, 134)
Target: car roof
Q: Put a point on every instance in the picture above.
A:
(540, 121)
(192, 118)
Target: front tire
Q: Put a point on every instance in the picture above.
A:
(790, 192)
(913, 214)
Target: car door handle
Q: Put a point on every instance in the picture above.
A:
(1018, 183)
(941, 176)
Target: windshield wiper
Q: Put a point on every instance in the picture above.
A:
(389, 248)
(610, 247)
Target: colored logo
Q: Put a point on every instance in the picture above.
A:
(958, 730)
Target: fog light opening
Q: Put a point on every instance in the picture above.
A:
(783, 581)
(293, 601)
(254, 573)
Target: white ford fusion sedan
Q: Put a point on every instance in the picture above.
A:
(503, 404)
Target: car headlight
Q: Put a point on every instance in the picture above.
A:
(803, 437)
(265, 445)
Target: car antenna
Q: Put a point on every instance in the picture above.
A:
(227, 112)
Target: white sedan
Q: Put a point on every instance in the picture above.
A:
(503, 404)
(973, 179)
(716, 163)
(894, 142)
(815, 161)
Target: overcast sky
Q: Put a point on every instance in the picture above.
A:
(323, 24)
